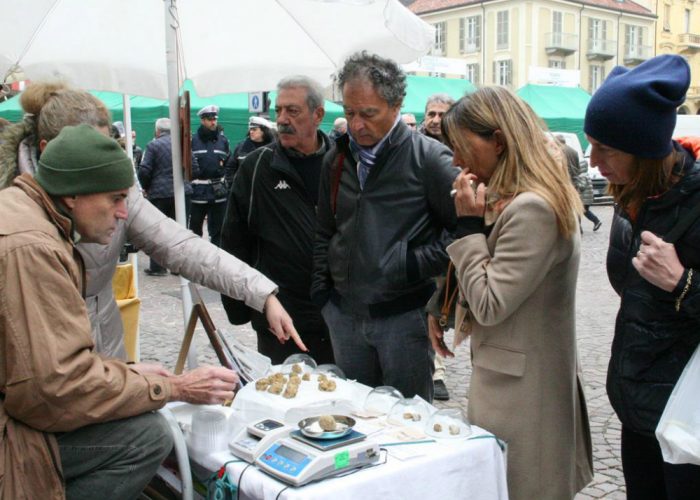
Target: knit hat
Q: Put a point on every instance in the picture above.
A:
(80, 160)
(634, 110)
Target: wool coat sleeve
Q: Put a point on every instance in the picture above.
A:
(496, 283)
(182, 251)
(54, 380)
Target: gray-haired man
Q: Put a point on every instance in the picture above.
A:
(435, 107)
(383, 204)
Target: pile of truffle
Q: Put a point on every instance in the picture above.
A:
(275, 383)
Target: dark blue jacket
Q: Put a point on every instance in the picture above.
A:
(652, 341)
(211, 149)
(156, 169)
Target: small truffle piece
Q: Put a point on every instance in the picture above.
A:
(291, 391)
(408, 416)
(437, 428)
(262, 384)
(327, 423)
(296, 368)
(306, 377)
(326, 385)
(454, 429)
(276, 388)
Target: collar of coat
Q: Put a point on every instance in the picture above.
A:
(64, 223)
(397, 137)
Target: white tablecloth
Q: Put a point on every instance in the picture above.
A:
(471, 468)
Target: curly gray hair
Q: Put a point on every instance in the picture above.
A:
(387, 78)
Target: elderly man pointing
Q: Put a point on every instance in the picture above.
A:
(75, 423)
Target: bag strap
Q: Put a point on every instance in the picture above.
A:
(682, 226)
(337, 174)
(448, 298)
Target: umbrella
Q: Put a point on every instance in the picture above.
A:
(222, 46)
(149, 47)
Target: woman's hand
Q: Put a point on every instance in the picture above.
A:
(280, 323)
(437, 338)
(657, 262)
(467, 201)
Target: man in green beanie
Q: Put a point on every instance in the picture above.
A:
(75, 424)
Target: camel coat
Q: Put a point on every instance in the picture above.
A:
(520, 284)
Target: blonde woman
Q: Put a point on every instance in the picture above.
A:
(516, 261)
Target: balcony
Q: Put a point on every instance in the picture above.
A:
(560, 44)
(601, 50)
(636, 54)
(689, 42)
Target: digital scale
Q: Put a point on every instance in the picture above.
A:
(258, 437)
(298, 460)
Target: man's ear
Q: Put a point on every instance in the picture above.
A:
(500, 141)
(42, 145)
(68, 201)
(319, 113)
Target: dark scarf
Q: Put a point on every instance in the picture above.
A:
(207, 135)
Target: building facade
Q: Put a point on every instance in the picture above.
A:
(515, 42)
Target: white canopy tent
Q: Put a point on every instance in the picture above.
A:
(149, 47)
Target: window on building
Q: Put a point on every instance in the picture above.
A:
(557, 64)
(557, 28)
(634, 39)
(686, 21)
(597, 34)
(472, 73)
(503, 72)
(502, 30)
(596, 75)
(470, 34)
(440, 36)
(667, 17)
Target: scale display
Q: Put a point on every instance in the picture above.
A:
(295, 461)
(257, 437)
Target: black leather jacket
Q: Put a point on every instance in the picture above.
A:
(378, 248)
(652, 341)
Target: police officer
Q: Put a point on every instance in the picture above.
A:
(209, 190)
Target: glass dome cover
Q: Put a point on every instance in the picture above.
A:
(448, 423)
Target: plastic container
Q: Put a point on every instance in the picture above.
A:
(448, 423)
(301, 363)
(409, 412)
(381, 399)
(210, 430)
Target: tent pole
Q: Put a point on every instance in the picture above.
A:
(171, 24)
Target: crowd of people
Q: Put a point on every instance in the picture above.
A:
(336, 245)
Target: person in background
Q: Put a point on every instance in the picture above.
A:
(50, 106)
(75, 423)
(136, 150)
(435, 107)
(271, 216)
(209, 189)
(156, 177)
(260, 133)
(410, 120)
(516, 260)
(578, 171)
(340, 127)
(654, 182)
(383, 205)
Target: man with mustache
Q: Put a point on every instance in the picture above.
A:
(271, 216)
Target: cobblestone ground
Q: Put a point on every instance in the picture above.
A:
(162, 328)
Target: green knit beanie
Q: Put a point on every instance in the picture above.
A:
(80, 160)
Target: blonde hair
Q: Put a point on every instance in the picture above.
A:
(526, 163)
(54, 105)
(49, 106)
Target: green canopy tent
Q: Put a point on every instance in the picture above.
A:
(562, 108)
(419, 88)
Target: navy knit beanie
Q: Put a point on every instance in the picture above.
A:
(634, 110)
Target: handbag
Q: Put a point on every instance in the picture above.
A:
(452, 310)
(678, 431)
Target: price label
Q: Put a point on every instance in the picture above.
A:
(342, 459)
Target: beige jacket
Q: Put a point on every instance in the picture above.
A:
(51, 379)
(172, 245)
(520, 284)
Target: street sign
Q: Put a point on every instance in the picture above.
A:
(257, 102)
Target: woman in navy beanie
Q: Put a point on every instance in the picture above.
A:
(654, 182)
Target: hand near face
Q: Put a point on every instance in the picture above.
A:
(657, 262)
(467, 201)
